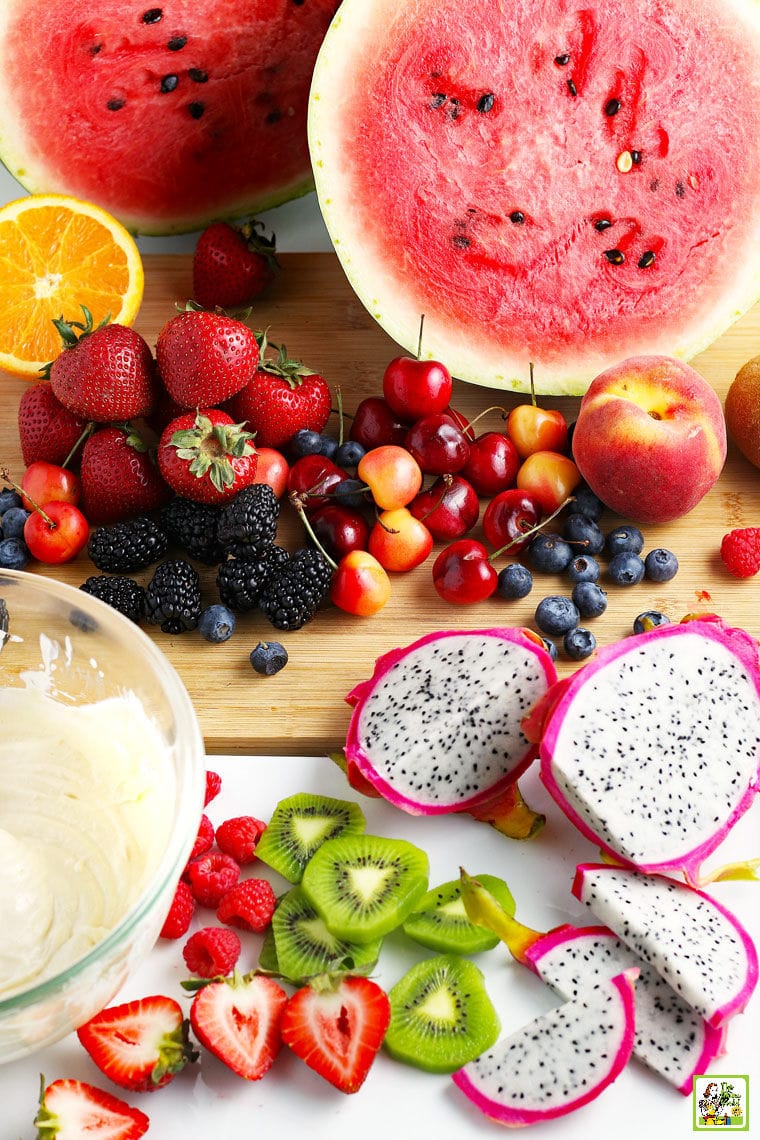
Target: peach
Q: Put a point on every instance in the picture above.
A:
(650, 438)
(742, 410)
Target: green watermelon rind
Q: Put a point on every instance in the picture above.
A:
(371, 277)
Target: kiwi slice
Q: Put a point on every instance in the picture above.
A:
(441, 1015)
(298, 826)
(268, 963)
(304, 946)
(440, 922)
(364, 886)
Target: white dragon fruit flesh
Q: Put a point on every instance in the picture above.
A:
(437, 728)
(558, 1062)
(671, 1038)
(697, 946)
(652, 749)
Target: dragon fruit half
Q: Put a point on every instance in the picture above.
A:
(652, 749)
(694, 943)
(558, 1062)
(437, 728)
(671, 1038)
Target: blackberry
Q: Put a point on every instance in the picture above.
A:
(193, 527)
(249, 521)
(125, 547)
(241, 580)
(119, 591)
(173, 596)
(292, 596)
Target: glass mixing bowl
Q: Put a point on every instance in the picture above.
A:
(102, 781)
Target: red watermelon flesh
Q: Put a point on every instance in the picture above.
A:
(545, 182)
(166, 115)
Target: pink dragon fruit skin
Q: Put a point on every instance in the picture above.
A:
(671, 1039)
(521, 671)
(698, 946)
(638, 750)
(560, 1061)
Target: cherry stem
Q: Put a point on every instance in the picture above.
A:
(419, 338)
(448, 479)
(339, 401)
(6, 476)
(492, 408)
(532, 530)
(86, 433)
(297, 504)
(532, 384)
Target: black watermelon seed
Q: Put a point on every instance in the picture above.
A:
(198, 75)
(636, 157)
(196, 109)
(169, 83)
(152, 16)
(485, 102)
(562, 60)
(298, 3)
(646, 259)
(95, 49)
(571, 87)
(517, 216)
(460, 241)
(438, 99)
(611, 107)
(274, 116)
(176, 43)
(614, 256)
(602, 224)
(115, 104)
(680, 189)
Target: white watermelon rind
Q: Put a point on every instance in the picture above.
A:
(468, 357)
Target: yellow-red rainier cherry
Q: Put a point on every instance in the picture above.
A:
(393, 476)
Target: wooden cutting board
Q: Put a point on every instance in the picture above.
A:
(301, 710)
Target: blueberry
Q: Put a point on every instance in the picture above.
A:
(549, 553)
(216, 623)
(9, 498)
(579, 643)
(660, 565)
(556, 615)
(590, 599)
(584, 568)
(626, 568)
(650, 619)
(515, 581)
(582, 531)
(328, 446)
(585, 502)
(269, 657)
(349, 453)
(624, 538)
(306, 442)
(13, 522)
(550, 647)
(350, 493)
(14, 554)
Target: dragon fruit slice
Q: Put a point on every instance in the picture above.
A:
(437, 728)
(652, 750)
(693, 942)
(671, 1039)
(558, 1062)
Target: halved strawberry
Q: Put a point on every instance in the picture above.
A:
(72, 1109)
(140, 1045)
(337, 1027)
(238, 1020)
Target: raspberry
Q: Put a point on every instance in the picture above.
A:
(740, 550)
(238, 837)
(213, 786)
(178, 919)
(204, 840)
(249, 905)
(211, 877)
(212, 952)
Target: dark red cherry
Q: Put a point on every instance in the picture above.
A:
(493, 463)
(462, 573)
(340, 529)
(508, 516)
(415, 387)
(449, 508)
(375, 424)
(437, 444)
(313, 478)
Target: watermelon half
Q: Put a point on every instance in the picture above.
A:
(547, 182)
(167, 115)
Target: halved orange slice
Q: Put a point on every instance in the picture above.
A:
(58, 253)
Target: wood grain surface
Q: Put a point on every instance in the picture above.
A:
(301, 710)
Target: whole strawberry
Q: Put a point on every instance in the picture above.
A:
(206, 456)
(232, 265)
(119, 476)
(46, 428)
(204, 358)
(103, 373)
(282, 398)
